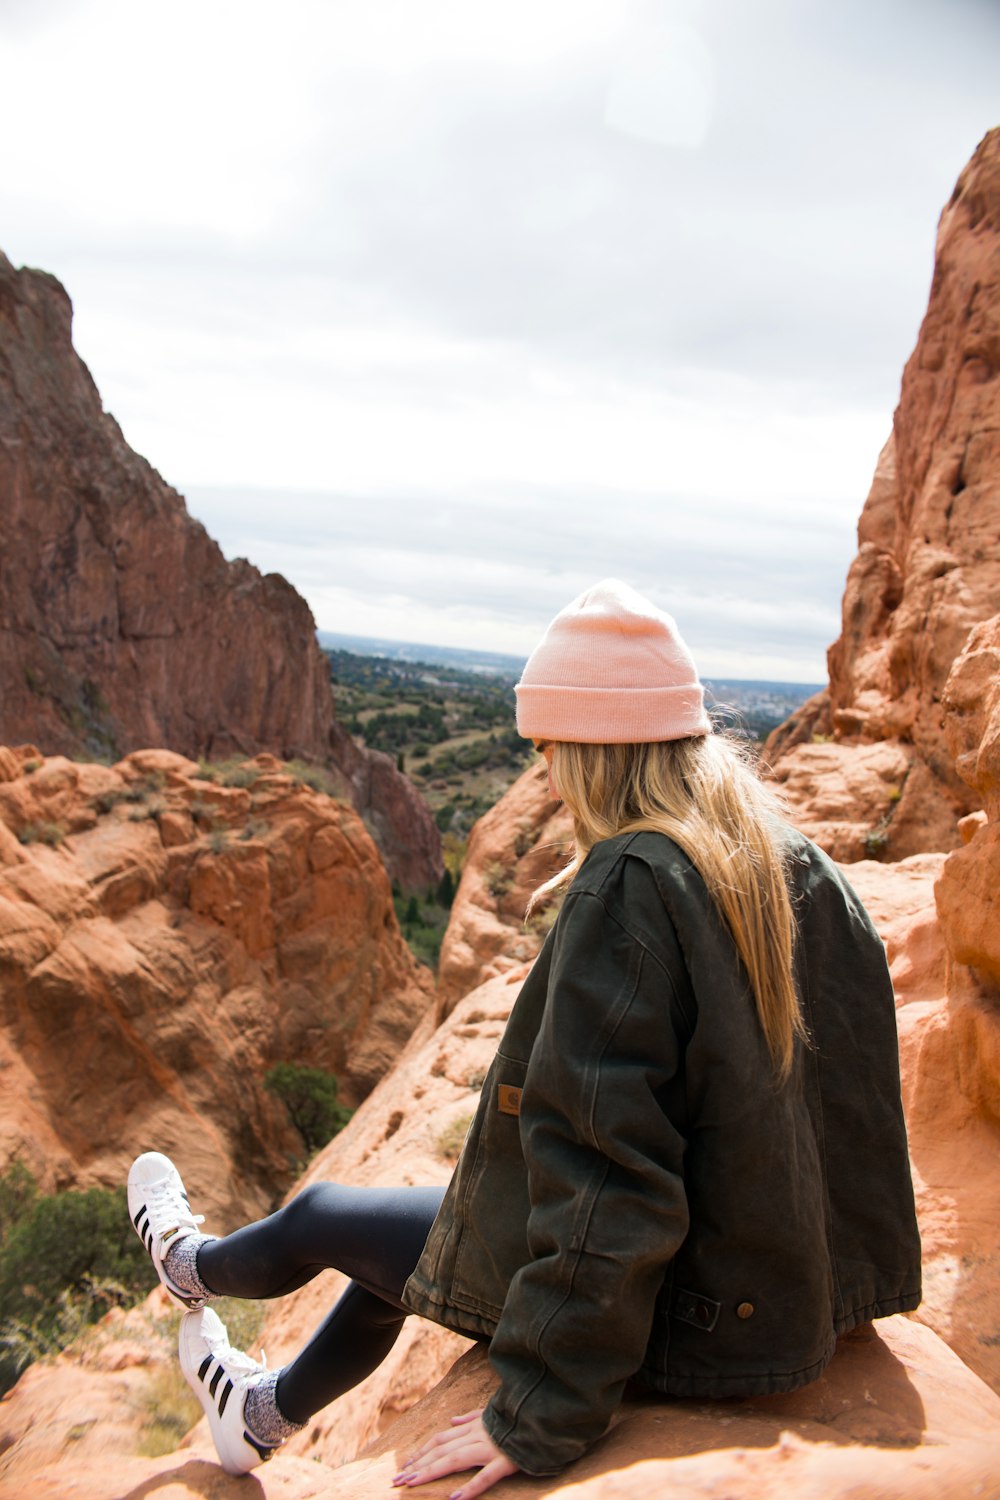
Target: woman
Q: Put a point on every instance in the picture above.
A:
(688, 1166)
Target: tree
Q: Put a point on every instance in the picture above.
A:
(310, 1096)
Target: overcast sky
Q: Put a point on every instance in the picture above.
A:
(445, 309)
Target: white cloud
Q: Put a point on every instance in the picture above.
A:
(532, 292)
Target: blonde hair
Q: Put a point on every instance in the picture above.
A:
(702, 793)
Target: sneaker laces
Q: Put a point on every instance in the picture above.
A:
(242, 1366)
(165, 1200)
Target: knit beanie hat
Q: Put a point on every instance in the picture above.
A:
(611, 669)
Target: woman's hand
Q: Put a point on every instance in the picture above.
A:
(465, 1445)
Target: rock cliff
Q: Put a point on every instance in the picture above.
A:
(968, 893)
(164, 939)
(121, 623)
(866, 766)
(513, 849)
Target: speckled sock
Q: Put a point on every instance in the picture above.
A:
(181, 1264)
(263, 1415)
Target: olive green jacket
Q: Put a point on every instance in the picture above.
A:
(636, 1197)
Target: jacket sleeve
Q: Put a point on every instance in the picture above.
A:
(605, 1177)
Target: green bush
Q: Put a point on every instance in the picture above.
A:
(64, 1259)
(42, 833)
(452, 1138)
(310, 1096)
(422, 924)
(316, 778)
(105, 801)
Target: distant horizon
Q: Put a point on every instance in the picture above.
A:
(432, 655)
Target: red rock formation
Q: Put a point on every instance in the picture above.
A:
(968, 893)
(395, 813)
(928, 564)
(163, 941)
(121, 623)
(513, 849)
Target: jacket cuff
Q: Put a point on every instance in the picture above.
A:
(511, 1444)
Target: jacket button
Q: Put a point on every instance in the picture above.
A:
(745, 1310)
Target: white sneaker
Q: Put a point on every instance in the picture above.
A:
(220, 1377)
(161, 1215)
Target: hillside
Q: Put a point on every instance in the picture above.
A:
(451, 728)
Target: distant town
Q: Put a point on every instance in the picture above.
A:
(758, 705)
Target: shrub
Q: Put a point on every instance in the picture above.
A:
(171, 1411)
(238, 775)
(524, 839)
(310, 1096)
(422, 924)
(42, 833)
(542, 918)
(105, 801)
(317, 778)
(65, 1258)
(254, 828)
(444, 815)
(446, 889)
(498, 880)
(876, 841)
(452, 1138)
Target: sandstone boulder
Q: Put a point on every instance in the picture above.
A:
(164, 939)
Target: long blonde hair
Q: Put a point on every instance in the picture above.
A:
(702, 793)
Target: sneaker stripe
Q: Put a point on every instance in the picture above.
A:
(227, 1391)
(203, 1367)
(214, 1381)
(135, 1221)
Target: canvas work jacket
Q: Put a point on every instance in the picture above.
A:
(637, 1197)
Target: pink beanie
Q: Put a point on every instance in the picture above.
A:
(611, 669)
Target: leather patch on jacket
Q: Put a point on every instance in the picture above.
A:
(508, 1099)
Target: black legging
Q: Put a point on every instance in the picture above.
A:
(373, 1235)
